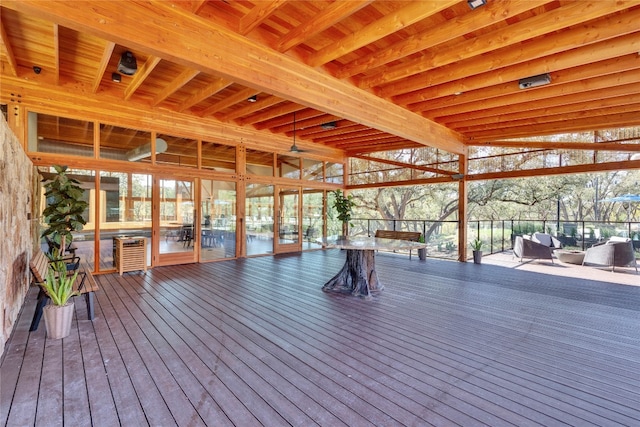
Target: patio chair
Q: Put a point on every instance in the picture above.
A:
(615, 252)
(547, 240)
(527, 248)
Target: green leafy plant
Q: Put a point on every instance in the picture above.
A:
(476, 245)
(65, 207)
(58, 284)
(421, 238)
(344, 206)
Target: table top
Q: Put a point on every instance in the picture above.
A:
(365, 243)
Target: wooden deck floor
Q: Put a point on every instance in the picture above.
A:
(256, 342)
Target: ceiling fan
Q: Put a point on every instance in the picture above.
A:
(294, 148)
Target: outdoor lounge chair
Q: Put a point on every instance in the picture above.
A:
(547, 240)
(527, 248)
(615, 252)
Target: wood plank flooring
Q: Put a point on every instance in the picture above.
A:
(256, 342)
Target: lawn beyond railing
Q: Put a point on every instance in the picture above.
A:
(498, 235)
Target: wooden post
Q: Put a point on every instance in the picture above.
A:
(462, 209)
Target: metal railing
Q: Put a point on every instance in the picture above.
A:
(499, 235)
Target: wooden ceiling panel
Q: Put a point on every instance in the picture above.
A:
(429, 72)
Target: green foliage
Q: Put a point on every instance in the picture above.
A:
(476, 245)
(343, 205)
(65, 207)
(421, 238)
(59, 285)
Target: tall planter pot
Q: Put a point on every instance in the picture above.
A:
(477, 257)
(57, 319)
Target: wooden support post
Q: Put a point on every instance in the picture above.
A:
(462, 209)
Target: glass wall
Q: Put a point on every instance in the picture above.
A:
(125, 201)
(259, 162)
(218, 213)
(218, 157)
(59, 135)
(118, 143)
(259, 221)
(176, 151)
(288, 166)
(312, 217)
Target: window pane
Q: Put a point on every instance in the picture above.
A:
(259, 221)
(335, 173)
(176, 151)
(288, 166)
(259, 163)
(218, 212)
(130, 145)
(312, 170)
(60, 135)
(218, 157)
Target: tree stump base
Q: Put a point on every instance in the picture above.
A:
(358, 276)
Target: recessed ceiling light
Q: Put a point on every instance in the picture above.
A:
(115, 77)
(457, 93)
(253, 98)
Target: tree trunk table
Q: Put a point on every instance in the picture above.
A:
(358, 276)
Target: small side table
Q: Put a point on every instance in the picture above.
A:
(570, 257)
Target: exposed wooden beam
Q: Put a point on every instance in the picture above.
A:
(140, 76)
(56, 54)
(203, 45)
(550, 145)
(261, 11)
(8, 50)
(330, 15)
(410, 14)
(263, 102)
(228, 101)
(102, 66)
(453, 79)
(185, 77)
(216, 86)
(447, 31)
(537, 26)
(406, 165)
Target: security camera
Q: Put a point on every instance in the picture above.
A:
(37, 69)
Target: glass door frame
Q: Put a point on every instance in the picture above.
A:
(279, 247)
(174, 258)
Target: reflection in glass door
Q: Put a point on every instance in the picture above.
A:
(259, 219)
(289, 226)
(176, 221)
(218, 213)
(312, 218)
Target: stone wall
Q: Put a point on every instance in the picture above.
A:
(16, 199)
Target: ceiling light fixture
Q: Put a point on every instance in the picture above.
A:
(127, 64)
(115, 77)
(535, 81)
(474, 4)
(329, 125)
(294, 148)
(253, 98)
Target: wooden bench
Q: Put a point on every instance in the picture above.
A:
(412, 236)
(85, 284)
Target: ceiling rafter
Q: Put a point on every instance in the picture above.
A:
(185, 77)
(329, 16)
(8, 50)
(211, 89)
(447, 31)
(261, 12)
(102, 65)
(569, 14)
(140, 76)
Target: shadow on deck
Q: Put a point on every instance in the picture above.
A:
(256, 342)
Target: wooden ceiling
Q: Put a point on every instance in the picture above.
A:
(388, 74)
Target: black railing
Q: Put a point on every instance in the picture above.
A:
(498, 235)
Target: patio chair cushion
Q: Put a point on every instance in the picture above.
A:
(542, 238)
(612, 253)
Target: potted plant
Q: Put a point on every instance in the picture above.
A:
(59, 288)
(343, 205)
(476, 245)
(422, 252)
(64, 209)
